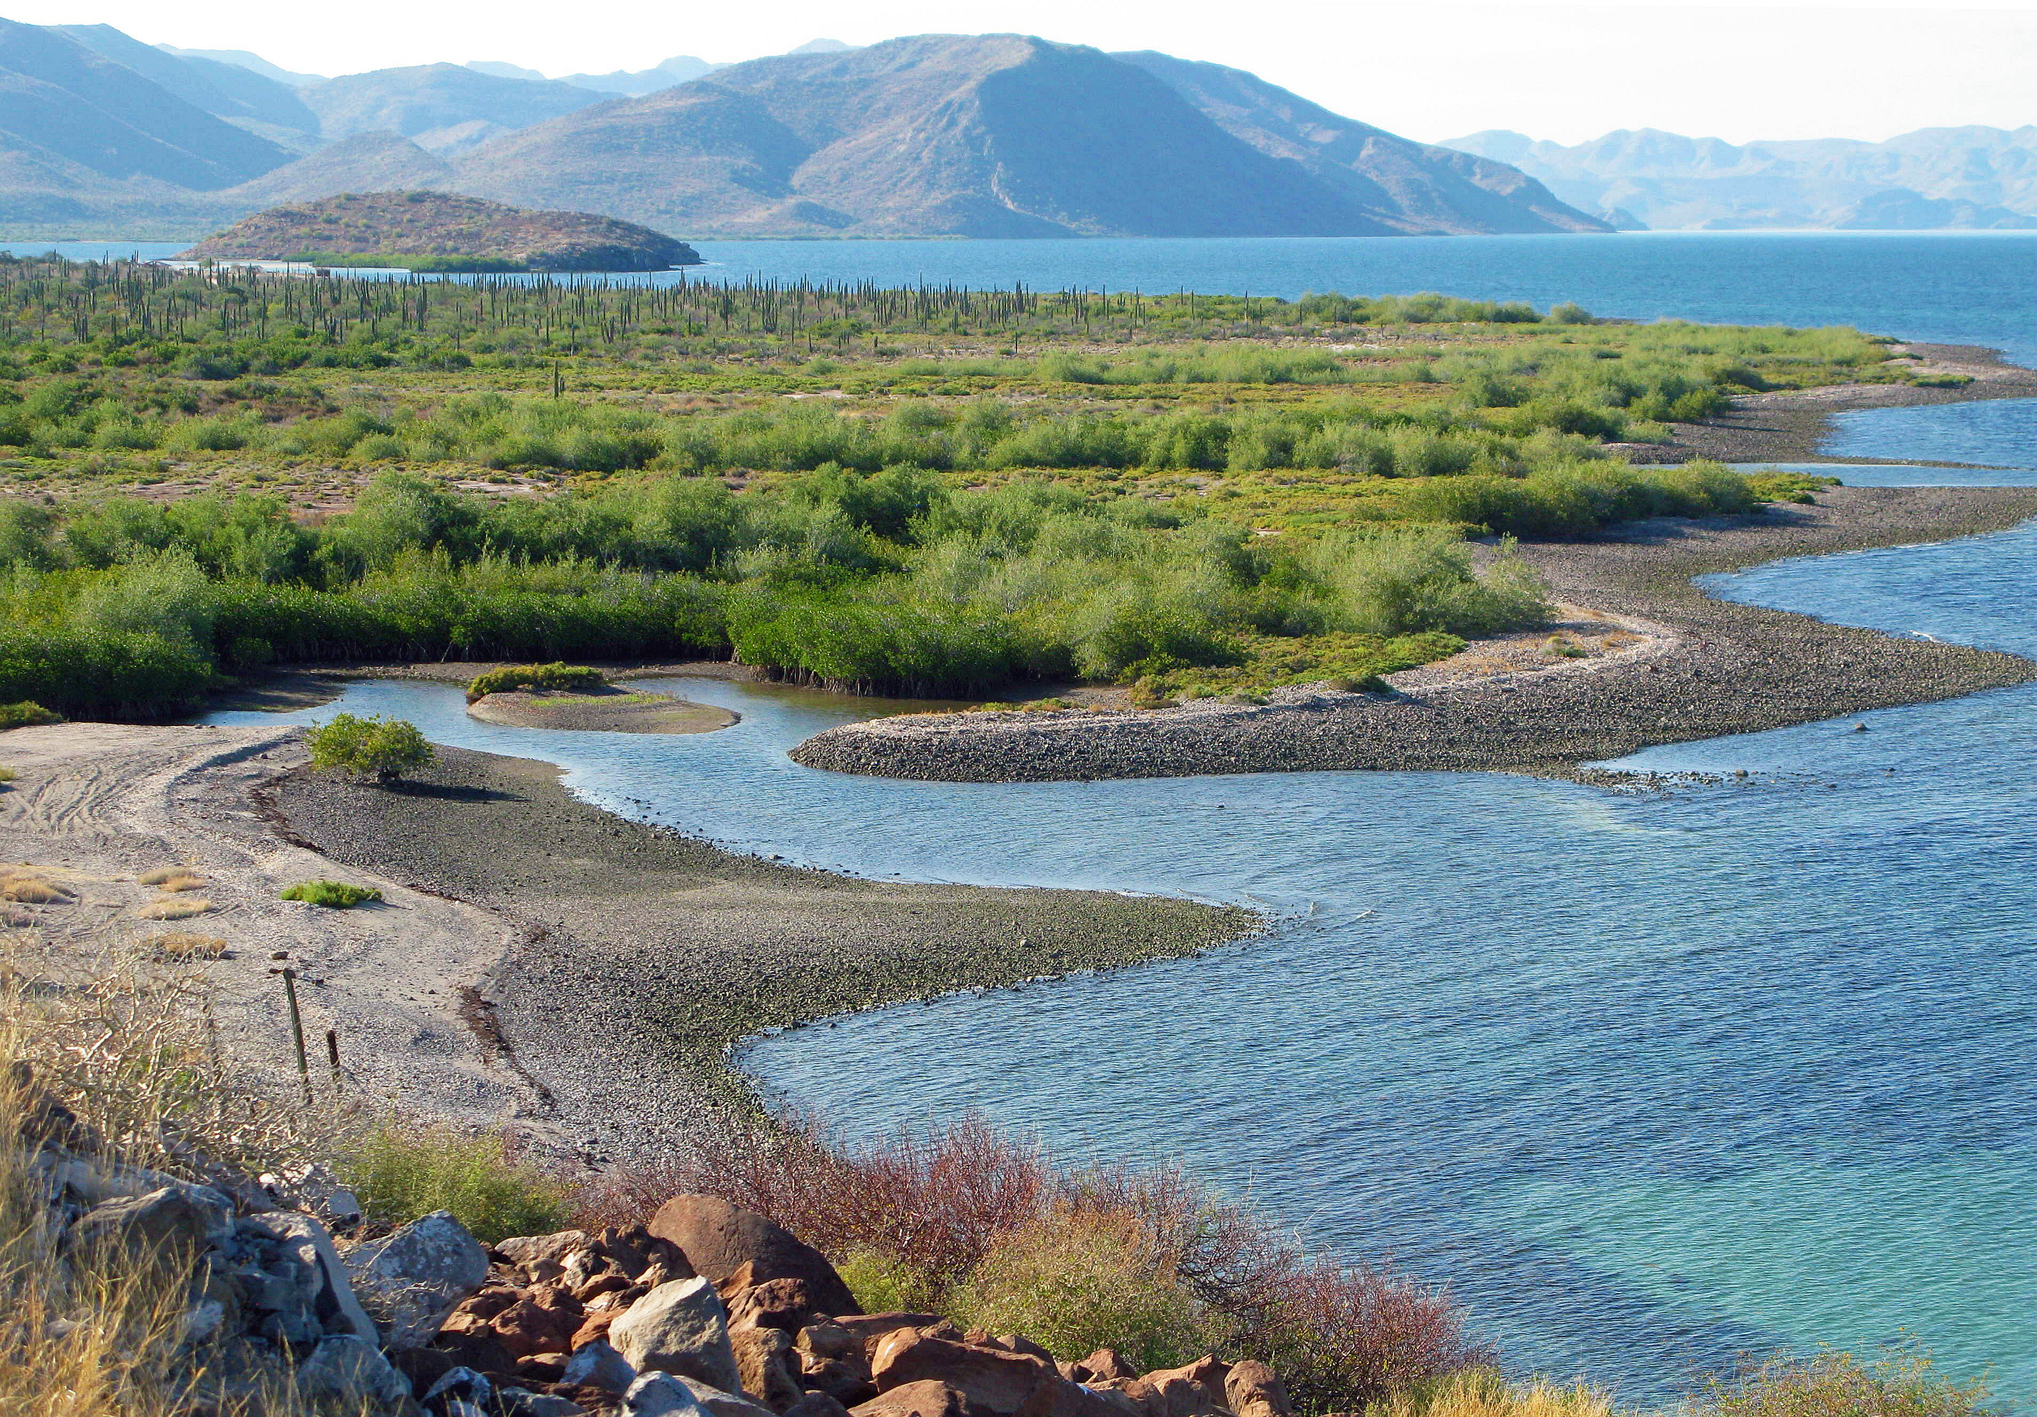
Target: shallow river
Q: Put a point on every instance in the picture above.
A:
(1647, 1079)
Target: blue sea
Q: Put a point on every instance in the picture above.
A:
(1649, 1079)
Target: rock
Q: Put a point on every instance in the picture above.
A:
(471, 1343)
(525, 1249)
(921, 1399)
(313, 1188)
(461, 1385)
(540, 1321)
(776, 1303)
(768, 1366)
(521, 1402)
(635, 1251)
(317, 1282)
(165, 1228)
(46, 1121)
(1192, 1391)
(721, 1402)
(421, 1366)
(870, 1329)
(1058, 1397)
(597, 1364)
(353, 1369)
(990, 1379)
(413, 1279)
(661, 1395)
(546, 1367)
(1251, 1389)
(1103, 1365)
(681, 1328)
(816, 1404)
(719, 1238)
(831, 1359)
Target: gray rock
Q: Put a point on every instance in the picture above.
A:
(166, 1226)
(599, 1365)
(353, 1369)
(461, 1385)
(314, 1188)
(679, 1327)
(661, 1395)
(413, 1279)
(524, 1249)
(300, 1270)
(720, 1403)
(520, 1402)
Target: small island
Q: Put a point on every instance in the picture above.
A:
(572, 696)
(439, 231)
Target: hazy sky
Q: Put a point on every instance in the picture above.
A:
(1430, 69)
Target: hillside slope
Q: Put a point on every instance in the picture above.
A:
(1965, 177)
(1411, 187)
(436, 224)
(440, 105)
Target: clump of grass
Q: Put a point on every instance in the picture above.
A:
(171, 882)
(1485, 1393)
(6, 776)
(158, 875)
(176, 908)
(571, 677)
(26, 714)
(179, 946)
(403, 1171)
(1564, 647)
(32, 888)
(1895, 1382)
(333, 895)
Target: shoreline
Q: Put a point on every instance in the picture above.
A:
(1717, 668)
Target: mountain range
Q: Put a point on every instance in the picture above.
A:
(1934, 178)
(933, 135)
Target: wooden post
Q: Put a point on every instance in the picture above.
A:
(332, 1056)
(297, 1028)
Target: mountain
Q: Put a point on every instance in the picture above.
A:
(1001, 135)
(65, 106)
(366, 162)
(635, 83)
(238, 95)
(401, 227)
(442, 106)
(242, 59)
(1409, 186)
(1966, 177)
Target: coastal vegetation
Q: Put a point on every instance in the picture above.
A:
(926, 491)
(332, 895)
(382, 748)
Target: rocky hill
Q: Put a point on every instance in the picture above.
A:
(441, 106)
(435, 229)
(1933, 178)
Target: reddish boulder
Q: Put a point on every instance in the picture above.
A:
(1251, 1389)
(1102, 1366)
(831, 1360)
(776, 1303)
(921, 1399)
(768, 1365)
(870, 1329)
(990, 1378)
(542, 1321)
(816, 1404)
(1193, 1391)
(1058, 1397)
(718, 1239)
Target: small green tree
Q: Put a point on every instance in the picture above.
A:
(384, 748)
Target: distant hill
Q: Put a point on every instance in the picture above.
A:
(238, 95)
(443, 106)
(366, 162)
(634, 83)
(1003, 135)
(1935, 177)
(242, 59)
(1412, 187)
(448, 232)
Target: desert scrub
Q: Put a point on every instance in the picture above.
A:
(375, 747)
(26, 715)
(1342, 660)
(6, 776)
(333, 895)
(404, 1171)
(1079, 1280)
(1485, 1393)
(1770, 485)
(1895, 1382)
(568, 677)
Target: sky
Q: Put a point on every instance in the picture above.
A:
(1429, 69)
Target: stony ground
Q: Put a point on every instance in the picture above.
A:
(1715, 668)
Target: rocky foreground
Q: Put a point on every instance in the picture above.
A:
(1713, 668)
(707, 1310)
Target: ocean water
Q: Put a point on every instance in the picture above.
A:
(1649, 1079)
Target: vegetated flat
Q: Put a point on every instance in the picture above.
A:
(615, 711)
(440, 231)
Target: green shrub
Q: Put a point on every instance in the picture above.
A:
(26, 715)
(374, 746)
(1897, 1382)
(569, 677)
(1077, 1281)
(6, 775)
(333, 895)
(403, 1171)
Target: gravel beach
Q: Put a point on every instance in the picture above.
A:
(1713, 668)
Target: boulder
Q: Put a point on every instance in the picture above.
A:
(831, 1360)
(166, 1227)
(776, 1303)
(921, 1399)
(1192, 1391)
(1058, 1397)
(769, 1367)
(634, 1250)
(870, 1329)
(816, 1404)
(597, 1364)
(681, 1328)
(306, 1282)
(718, 1239)
(313, 1187)
(522, 1402)
(524, 1249)
(1103, 1365)
(661, 1395)
(991, 1379)
(722, 1402)
(354, 1371)
(540, 1321)
(413, 1279)
(1251, 1389)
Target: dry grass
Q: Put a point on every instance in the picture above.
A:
(1896, 1382)
(1484, 1393)
(171, 878)
(32, 888)
(179, 946)
(175, 908)
(6, 776)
